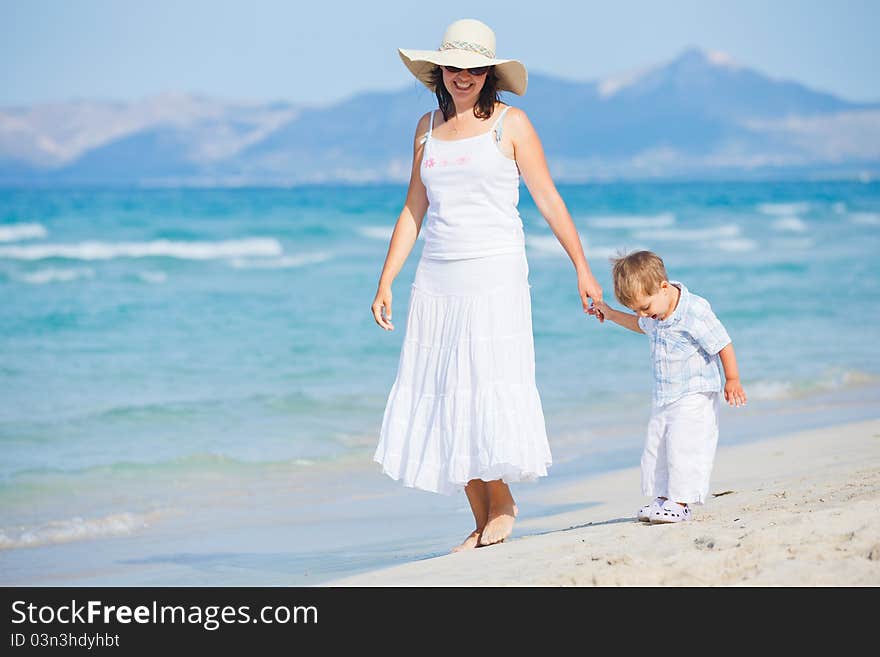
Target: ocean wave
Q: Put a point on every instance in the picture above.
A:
(741, 245)
(769, 390)
(541, 245)
(838, 207)
(865, 218)
(799, 243)
(54, 275)
(283, 262)
(75, 529)
(545, 244)
(689, 235)
(629, 221)
(153, 276)
(15, 232)
(376, 232)
(791, 224)
(251, 247)
(784, 209)
(777, 390)
(199, 462)
(604, 252)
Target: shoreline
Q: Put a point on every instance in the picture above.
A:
(318, 527)
(795, 510)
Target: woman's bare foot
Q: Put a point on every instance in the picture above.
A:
(502, 512)
(472, 541)
(500, 524)
(478, 496)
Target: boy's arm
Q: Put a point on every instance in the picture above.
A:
(625, 320)
(733, 390)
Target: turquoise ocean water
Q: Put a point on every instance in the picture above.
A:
(192, 382)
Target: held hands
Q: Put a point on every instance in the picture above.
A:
(589, 288)
(382, 308)
(599, 309)
(734, 393)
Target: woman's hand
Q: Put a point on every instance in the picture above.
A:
(382, 308)
(588, 288)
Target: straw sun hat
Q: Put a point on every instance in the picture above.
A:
(468, 43)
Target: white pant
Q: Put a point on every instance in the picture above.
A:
(680, 448)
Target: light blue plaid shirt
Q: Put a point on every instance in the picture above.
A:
(684, 349)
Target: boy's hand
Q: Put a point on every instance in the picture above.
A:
(734, 393)
(598, 308)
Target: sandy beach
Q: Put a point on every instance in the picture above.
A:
(796, 510)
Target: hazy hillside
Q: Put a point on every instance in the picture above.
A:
(699, 115)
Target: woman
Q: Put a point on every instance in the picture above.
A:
(464, 411)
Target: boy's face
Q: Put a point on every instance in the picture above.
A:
(658, 305)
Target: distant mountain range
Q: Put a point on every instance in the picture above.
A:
(700, 115)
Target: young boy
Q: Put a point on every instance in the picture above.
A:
(689, 346)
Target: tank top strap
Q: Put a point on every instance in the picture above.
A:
(427, 135)
(498, 127)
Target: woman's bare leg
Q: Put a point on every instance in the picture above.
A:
(477, 492)
(502, 511)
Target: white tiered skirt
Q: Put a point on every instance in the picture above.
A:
(465, 405)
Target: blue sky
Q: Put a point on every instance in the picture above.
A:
(318, 52)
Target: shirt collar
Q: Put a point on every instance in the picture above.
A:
(680, 309)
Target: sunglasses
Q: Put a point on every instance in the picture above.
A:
(479, 70)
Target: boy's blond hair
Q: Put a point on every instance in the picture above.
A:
(637, 274)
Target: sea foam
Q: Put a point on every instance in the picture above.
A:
(831, 380)
(798, 243)
(15, 232)
(284, 262)
(153, 276)
(541, 245)
(739, 245)
(251, 247)
(75, 529)
(690, 235)
(791, 224)
(544, 244)
(376, 232)
(769, 390)
(724, 238)
(865, 218)
(784, 209)
(54, 275)
(629, 221)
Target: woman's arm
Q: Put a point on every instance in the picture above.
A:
(529, 154)
(406, 231)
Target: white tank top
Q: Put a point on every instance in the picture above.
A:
(473, 191)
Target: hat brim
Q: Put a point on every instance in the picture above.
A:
(512, 75)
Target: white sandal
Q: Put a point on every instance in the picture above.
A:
(644, 514)
(670, 512)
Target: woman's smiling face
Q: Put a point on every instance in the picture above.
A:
(463, 86)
